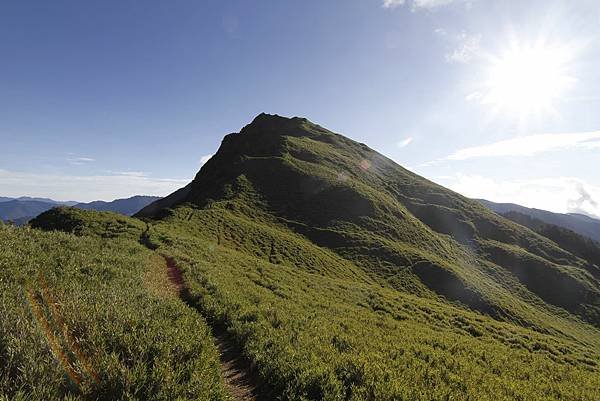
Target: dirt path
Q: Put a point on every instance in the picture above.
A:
(235, 369)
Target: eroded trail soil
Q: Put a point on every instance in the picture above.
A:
(235, 369)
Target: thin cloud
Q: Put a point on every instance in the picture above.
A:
(80, 160)
(392, 3)
(430, 4)
(530, 145)
(85, 188)
(416, 5)
(130, 173)
(464, 46)
(474, 96)
(468, 48)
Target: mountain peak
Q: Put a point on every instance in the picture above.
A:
(274, 124)
(266, 118)
(342, 195)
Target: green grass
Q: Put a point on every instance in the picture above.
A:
(339, 274)
(402, 229)
(344, 276)
(89, 222)
(315, 334)
(92, 318)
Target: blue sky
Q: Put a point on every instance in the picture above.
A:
(495, 99)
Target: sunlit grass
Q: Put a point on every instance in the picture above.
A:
(90, 318)
(316, 334)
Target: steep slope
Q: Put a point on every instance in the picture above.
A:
(581, 224)
(127, 206)
(339, 275)
(402, 229)
(155, 207)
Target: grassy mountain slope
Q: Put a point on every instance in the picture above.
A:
(94, 318)
(388, 241)
(80, 222)
(400, 228)
(318, 328)
(342, 276)
(569, 240)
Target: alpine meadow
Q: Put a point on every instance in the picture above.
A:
(266, 200)
(331, 272)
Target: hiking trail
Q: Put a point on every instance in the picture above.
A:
(235, 370)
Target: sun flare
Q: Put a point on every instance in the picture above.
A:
(528, 79)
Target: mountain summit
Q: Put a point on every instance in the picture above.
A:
(335, 273)
(403, 230)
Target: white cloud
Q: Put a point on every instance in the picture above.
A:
(80, 160)
(474, 96)
(430, 4)
(392, 3)
(468, 48)
(422, 4)
(530, 145)
(465, 47)
(130, 173)
(205, 158)
(405, 142)
(85, 188)
(557, 194)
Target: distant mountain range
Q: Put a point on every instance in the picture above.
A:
(21, 210)
(128, 206)
(581, 224)
(46, 200)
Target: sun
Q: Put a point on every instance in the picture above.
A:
(528, 79)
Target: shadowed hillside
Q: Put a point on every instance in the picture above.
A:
(401, 229)
(579, 245)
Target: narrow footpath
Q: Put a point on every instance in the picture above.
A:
(235, 370)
